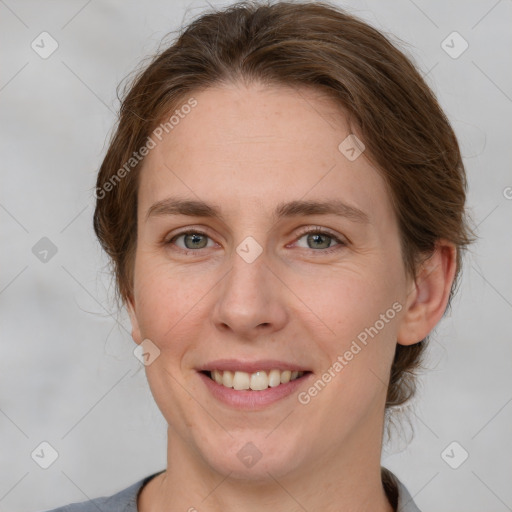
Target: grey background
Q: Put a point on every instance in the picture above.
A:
(67, 372)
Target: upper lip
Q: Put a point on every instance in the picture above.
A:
(234, 365)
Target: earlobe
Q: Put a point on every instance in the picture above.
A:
(428, 298)
(133, 319)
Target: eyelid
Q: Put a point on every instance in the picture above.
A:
(302, 231)
(187, 231)
(342, 241)
(320, 229)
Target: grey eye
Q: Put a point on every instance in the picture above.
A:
(322, 241)
(194, 240)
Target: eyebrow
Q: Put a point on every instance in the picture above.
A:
(194, 208)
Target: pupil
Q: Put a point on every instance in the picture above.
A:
(315, 237)
(195, 237)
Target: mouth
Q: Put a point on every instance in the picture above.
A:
(259, 380)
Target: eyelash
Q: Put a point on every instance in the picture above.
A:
(316, 230)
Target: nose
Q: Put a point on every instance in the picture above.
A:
(250, 299)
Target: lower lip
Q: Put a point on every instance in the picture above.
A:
(248, 399)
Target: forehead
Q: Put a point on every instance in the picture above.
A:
(260, 145)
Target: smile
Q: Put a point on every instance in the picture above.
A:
(256, 381)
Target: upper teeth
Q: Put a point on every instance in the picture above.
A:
(256, 381)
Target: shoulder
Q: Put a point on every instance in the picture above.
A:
(397, 493)
(122, 501)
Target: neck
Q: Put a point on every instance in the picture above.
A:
(336, 481)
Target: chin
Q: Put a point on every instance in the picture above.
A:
(255, 458)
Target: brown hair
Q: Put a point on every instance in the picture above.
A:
(406, 134)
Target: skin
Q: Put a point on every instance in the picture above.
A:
(248, 148)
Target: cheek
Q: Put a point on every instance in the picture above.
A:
(347, 301)
(167, 304)
(361, 312)
(357, 363)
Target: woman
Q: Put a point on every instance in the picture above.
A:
(283, 204)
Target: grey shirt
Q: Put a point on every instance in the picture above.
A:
(126, 500)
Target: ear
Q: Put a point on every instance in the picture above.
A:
(428, 295)
(133, 319)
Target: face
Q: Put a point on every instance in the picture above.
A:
(263, 287)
